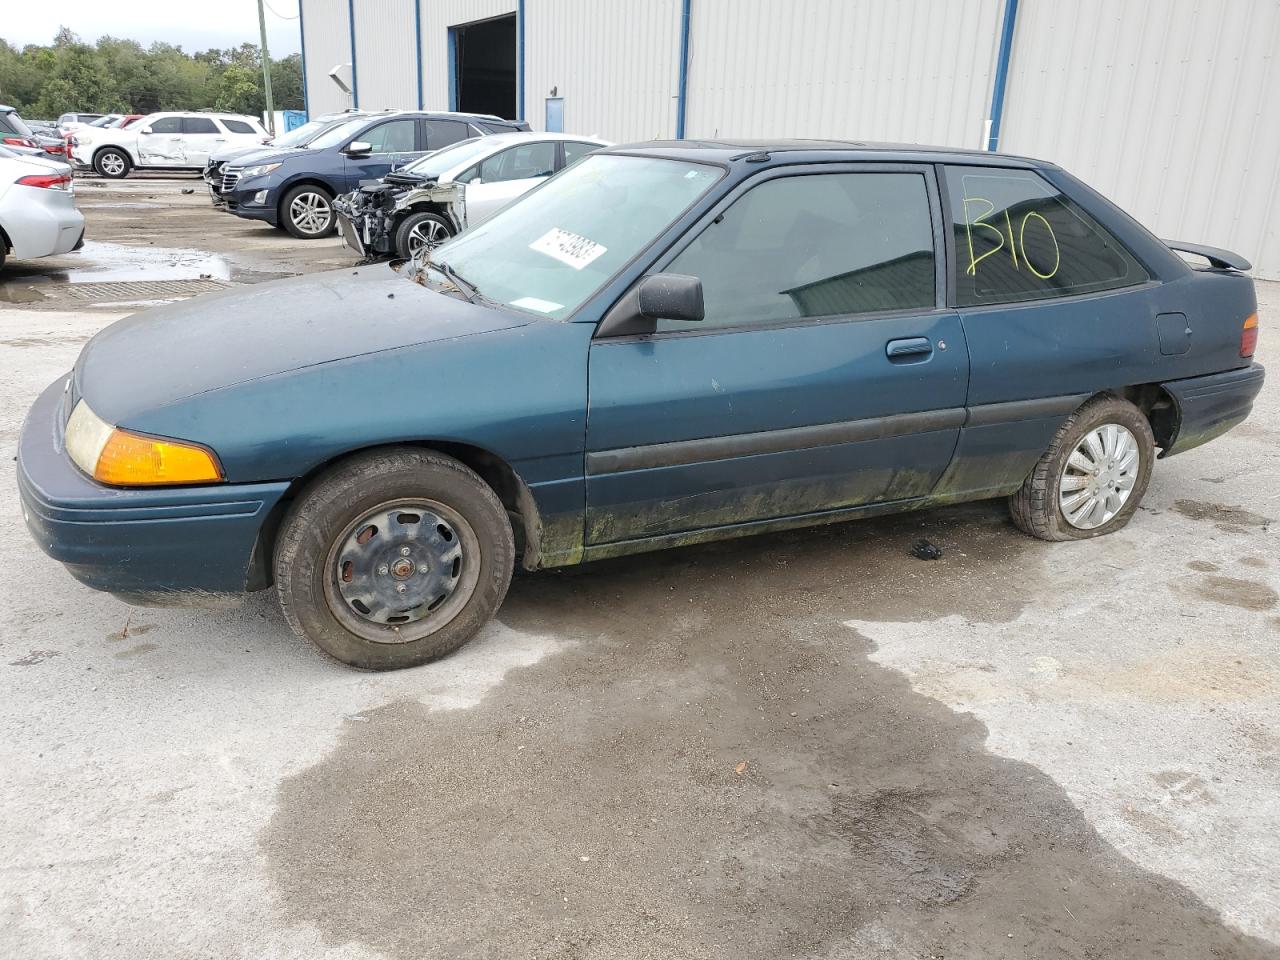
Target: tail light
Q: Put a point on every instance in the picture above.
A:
(18, 142)
(55, 148)
(48, 181)
(1249, 335)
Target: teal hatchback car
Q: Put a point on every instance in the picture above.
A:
(666, 343)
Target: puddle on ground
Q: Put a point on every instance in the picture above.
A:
(34, 281)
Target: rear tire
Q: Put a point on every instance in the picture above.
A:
(1085, 485)
(112, 163)
(393, 558)
(418, 229)
(307, 212)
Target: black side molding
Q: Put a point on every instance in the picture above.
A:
(1217, 257)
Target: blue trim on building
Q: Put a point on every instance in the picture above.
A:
(417, 33)
(302, 39)
(351, 22)
(682, 93)
(1002, 72)
(453, 68)
(520, 60)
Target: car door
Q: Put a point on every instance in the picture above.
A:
(200, 137)
(826, 375)
(499, 179)
(394, 142)
(1054, 309)
(160, 142)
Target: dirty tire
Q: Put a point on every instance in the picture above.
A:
(1036, 508)
(322, 516)
(112, 163)
(420, 223)
(307, 212)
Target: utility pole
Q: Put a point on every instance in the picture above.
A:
(266, 71)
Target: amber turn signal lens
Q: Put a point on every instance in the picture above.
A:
(1249, 335)
(130, 460)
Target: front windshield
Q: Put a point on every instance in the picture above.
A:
(435, 164)
(553, 248)
(299, 136)
(339, 134)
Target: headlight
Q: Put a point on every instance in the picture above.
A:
(259, 170)
(120, 458)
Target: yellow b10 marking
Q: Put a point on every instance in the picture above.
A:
(980, 222)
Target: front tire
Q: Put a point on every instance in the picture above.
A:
(307, 212)
(1092, 478)
(112, 163)
(394, 558)
(421, 229)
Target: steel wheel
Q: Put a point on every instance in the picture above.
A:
(1099, 476)
(402, 570)
(428, 234)
(310, 212)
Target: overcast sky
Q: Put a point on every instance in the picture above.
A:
(193, 26)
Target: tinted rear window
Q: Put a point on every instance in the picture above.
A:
(238, 126)
(198, 125)
(1017, 237)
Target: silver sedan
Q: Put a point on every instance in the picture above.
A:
(38, 215)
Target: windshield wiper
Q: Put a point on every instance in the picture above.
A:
(467, 289)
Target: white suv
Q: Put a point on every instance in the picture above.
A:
(163, 141)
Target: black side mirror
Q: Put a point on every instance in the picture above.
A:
(660, 296)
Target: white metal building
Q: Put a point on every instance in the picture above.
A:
(1167, 106)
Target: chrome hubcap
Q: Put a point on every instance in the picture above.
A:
(310, 212)
(1099, 476)
(426, 235)
(111, 163)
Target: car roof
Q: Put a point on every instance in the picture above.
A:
(520, 136)
(728, 150)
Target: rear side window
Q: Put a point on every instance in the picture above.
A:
(575, 150)
(199, 125)
(816, 245)
(1019, 238)
(238, 126)
(442, 133)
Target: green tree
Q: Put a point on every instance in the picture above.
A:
(239, 90)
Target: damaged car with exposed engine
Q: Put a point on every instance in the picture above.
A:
(434, 198)
(664, 344)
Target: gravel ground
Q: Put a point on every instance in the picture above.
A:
(810, 745)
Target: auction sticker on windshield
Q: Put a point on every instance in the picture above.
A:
(568, 247)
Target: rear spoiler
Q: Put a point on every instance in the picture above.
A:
(1217, 257)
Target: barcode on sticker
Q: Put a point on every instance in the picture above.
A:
(568, 247)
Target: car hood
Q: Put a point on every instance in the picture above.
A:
(219, 340)
(270, 154)
(239, 150)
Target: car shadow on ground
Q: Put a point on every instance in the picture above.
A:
(713, 767)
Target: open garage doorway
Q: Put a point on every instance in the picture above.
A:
(482, 74)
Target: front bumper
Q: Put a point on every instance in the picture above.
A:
(167, 545)
(1208, 407)
(241, 203)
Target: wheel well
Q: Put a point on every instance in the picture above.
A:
(6, 245)
(305, 182)
(493, 470)
(117, 148)
(1156, 404)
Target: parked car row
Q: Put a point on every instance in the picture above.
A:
(294, 188)
(16, 134)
